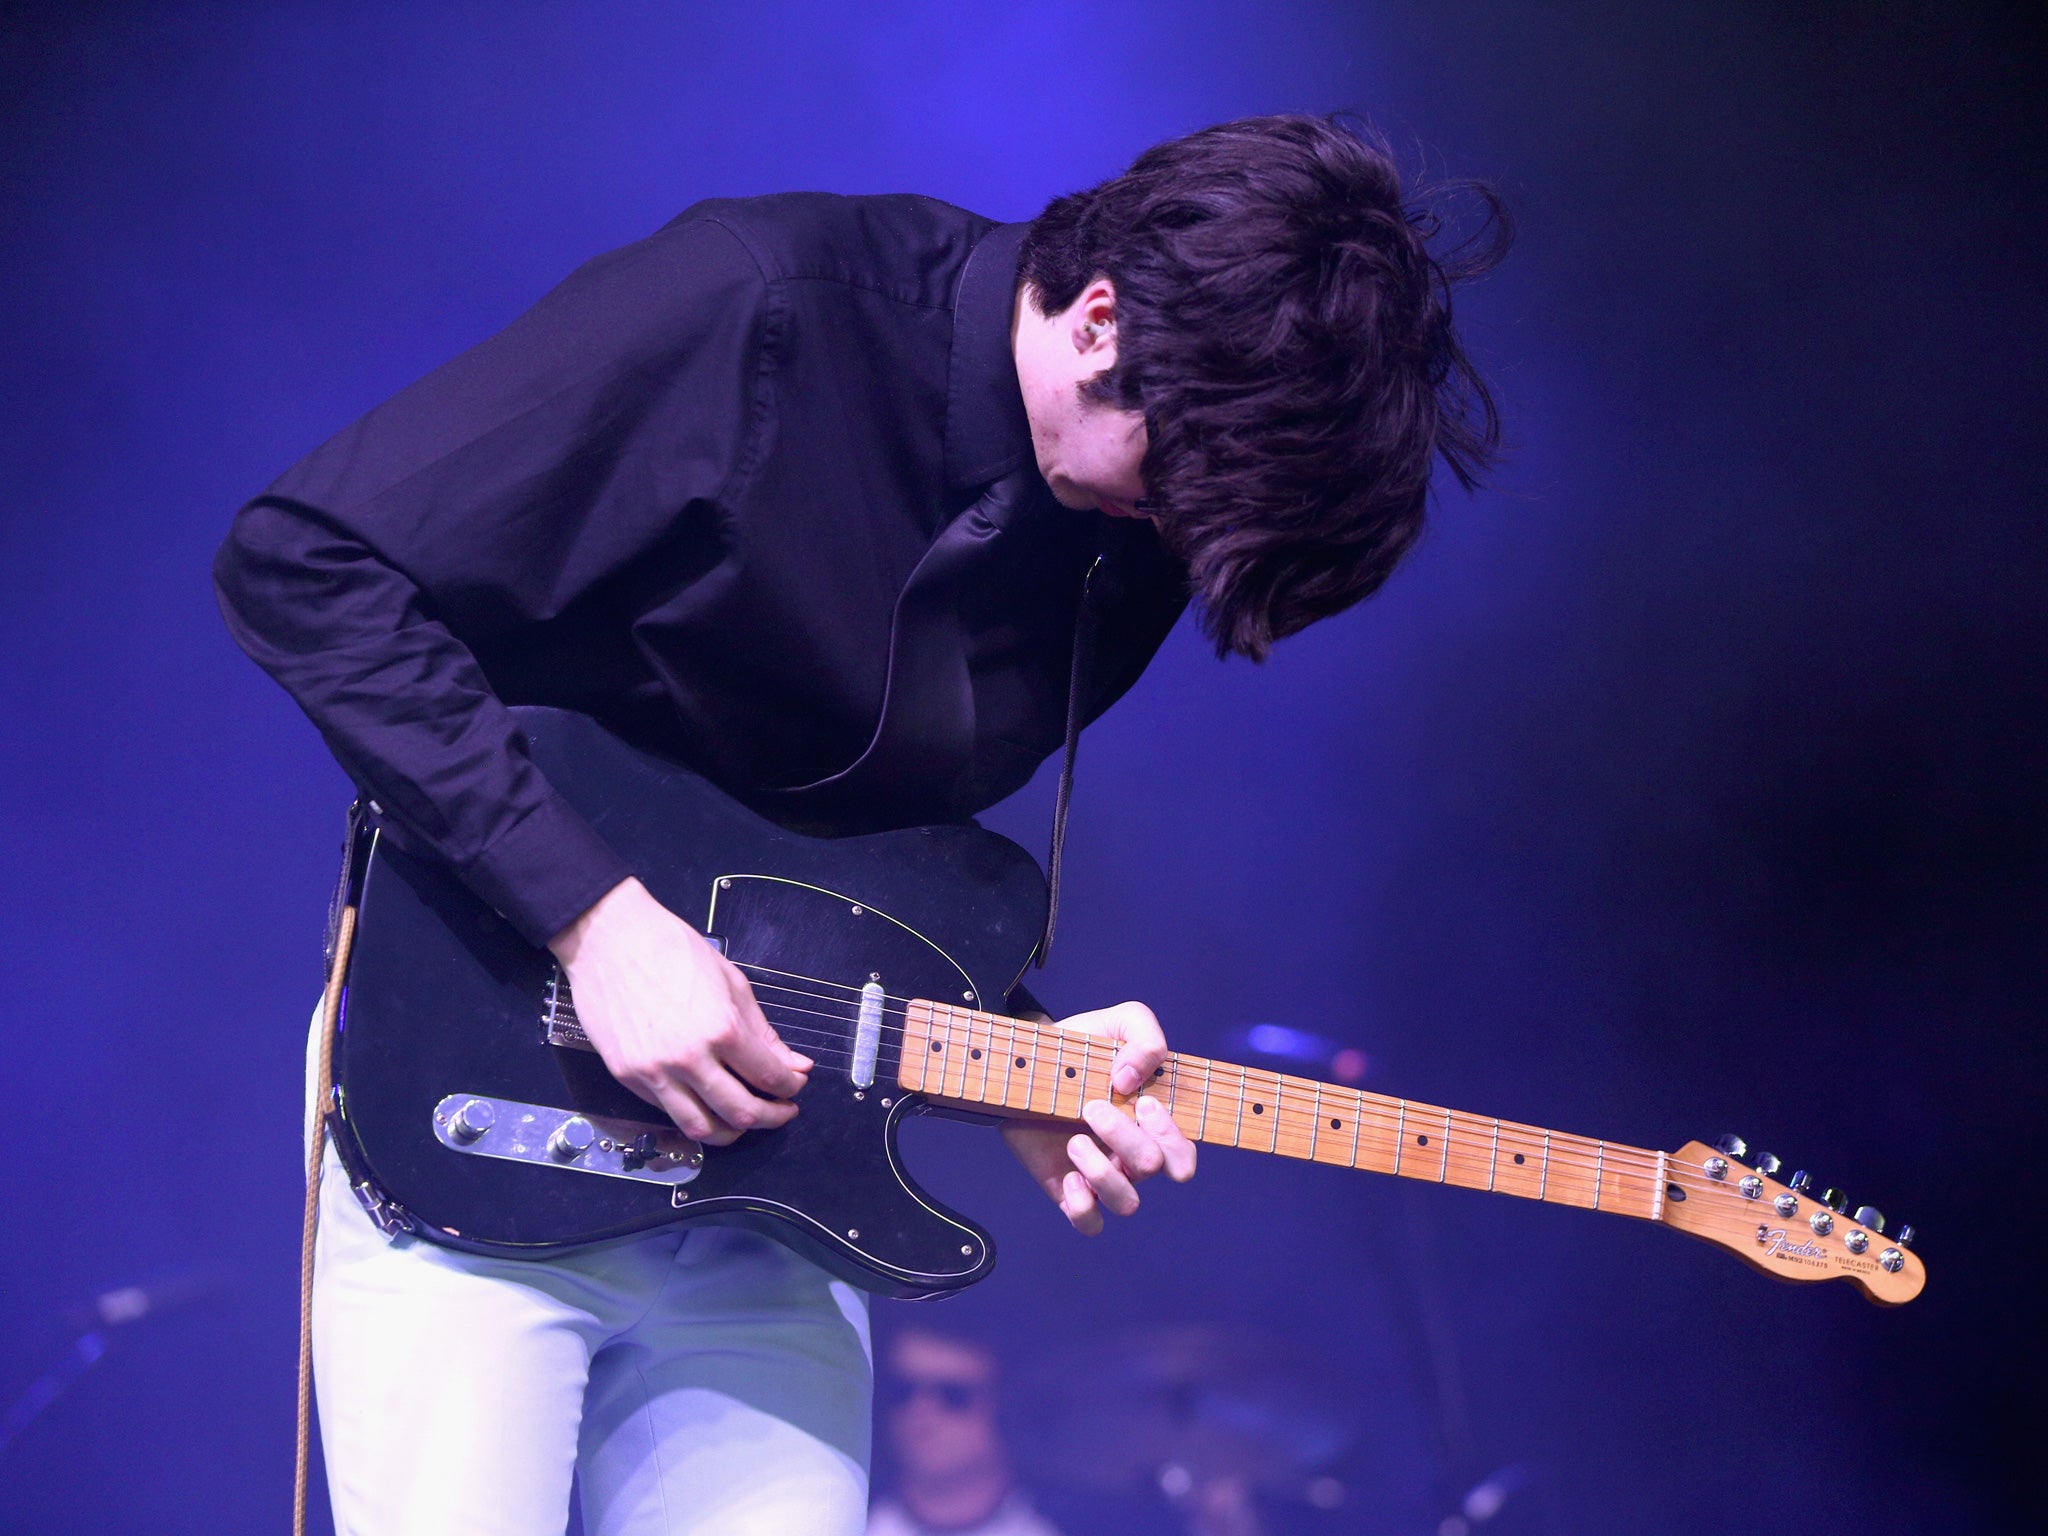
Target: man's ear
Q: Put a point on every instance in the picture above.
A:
(1094, 321)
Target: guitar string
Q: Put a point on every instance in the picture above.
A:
(1639, 1162)
(1613, 1158)
(1636, 1162)
(1617, 1161)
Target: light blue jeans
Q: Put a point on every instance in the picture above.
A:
(698, 1382)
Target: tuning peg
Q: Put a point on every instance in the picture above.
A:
(1733, 1146)
(1904, 1236)
(1833, 1199)
(1767, 1163)
(1799, 1181)
(1870, 1216)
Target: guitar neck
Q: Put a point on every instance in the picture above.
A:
(1020, 1067)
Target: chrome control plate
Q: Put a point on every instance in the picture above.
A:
(532, 1133)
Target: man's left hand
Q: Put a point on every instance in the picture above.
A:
(1087, 1174)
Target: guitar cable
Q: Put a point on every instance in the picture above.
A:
(330, 1010)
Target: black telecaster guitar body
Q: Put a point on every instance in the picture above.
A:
(470, 1112)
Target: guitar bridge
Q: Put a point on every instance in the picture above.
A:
(558, 1022)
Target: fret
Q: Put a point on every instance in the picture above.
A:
(1264, 1091)
(1379, 1124)
(1574, 1175)
(1017, 1068)
(1443, 1167)
(954, 1058)
(1029, 1053)
(1493, 1157)
(1042, 1101)
(959, 1024)
(1059, 1060)
(1237, 1127)
(1400, 1134)
(1522, 1173)
(988, 1056)
(916, 1026)
(1337, 1126)
(1543, 1185)
(1599, 1169)
(1357, 1110)
(1294, 1123)
(996, 1073)
(1469, 1163)
(1315, 1120)
(1202, 1119)
(974, 1070)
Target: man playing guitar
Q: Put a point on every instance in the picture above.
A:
(859, 508)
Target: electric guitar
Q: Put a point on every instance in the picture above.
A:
(470, 1109)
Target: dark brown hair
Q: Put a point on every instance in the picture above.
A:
(1285, 328)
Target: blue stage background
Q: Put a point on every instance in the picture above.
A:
(1688, 780)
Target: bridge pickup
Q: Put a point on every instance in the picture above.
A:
(478, 1125)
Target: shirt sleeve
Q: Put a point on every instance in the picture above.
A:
(496, 493)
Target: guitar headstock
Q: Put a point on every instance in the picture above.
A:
(1726, 1196)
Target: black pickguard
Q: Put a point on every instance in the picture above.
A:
(445, 998)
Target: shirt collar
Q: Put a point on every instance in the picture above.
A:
(987, 433)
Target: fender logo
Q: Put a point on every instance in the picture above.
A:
(1777, 1244)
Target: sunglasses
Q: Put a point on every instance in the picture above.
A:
(952, 1394)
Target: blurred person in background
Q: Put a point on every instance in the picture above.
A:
(941, 1427)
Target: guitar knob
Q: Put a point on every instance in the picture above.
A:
(1767, 1163)
(571, 1139)
(1904, 1236)
(1834, 1199)
(1870, 1216)
(1799, 1181)
(1734, 1146)
(472, 1120)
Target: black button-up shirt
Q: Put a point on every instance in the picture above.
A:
(757, 492)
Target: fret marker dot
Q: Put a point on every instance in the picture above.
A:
(1518, 1157)
(975, 1053)
(938, 1045)
(1336, 1125)
(1070, 1071)
(1258, 1109)
(1020, 1061)
(1159, 1071)
(1422, 1141)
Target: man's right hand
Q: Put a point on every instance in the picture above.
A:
(674, 1020)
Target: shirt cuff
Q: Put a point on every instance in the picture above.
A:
(546, 871)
